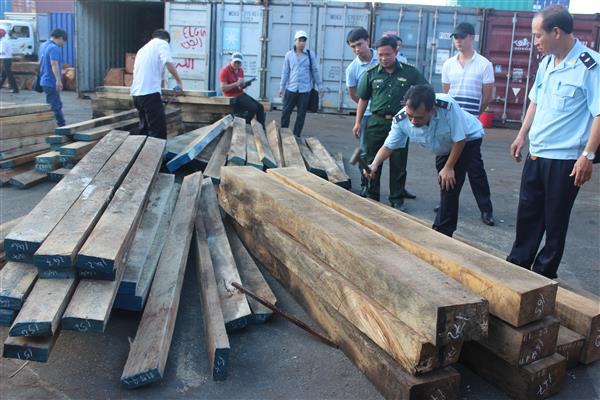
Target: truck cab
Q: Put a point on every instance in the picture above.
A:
(21, 35)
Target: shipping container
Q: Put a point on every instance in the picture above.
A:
(5, 6)
(23, 6)
(55, 6)
(66, 22)
(239, 29)
(510, 5)
(425, 32)
(191, 41)
(106, 30)
(515, 66)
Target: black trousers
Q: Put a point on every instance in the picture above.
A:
(153, 121)
(479, 184)
(291, 100)
(446, 219)
(545, 202)
(7, 73)
(246, 107)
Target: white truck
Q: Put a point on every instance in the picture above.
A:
(23, 32)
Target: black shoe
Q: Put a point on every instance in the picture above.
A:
(14, 91)
(364, 191)
(436, 208)
(398, 205)
(488, 218)
(408, 195)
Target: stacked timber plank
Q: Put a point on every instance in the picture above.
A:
(198, 108)
(25, 73)
(22, 138)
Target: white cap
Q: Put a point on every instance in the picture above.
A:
(300, 34)
(237, 57)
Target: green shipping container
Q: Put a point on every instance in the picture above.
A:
(509, 5)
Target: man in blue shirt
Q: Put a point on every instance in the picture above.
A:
(366, 57)
(297, 80)
(563, 126)
(437, 122)
(51, 72)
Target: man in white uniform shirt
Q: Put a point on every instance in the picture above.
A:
(469, 78)
(150, 62)
(6, 60)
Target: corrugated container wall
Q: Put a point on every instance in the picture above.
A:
(515, 66)
(511, 5)
(239, 28)
(425, 33)
(55, 6)
(66, 22)
(106, 30)
(5, 6)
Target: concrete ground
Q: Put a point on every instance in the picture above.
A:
(277, 360)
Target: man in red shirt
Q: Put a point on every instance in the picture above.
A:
(233, 84)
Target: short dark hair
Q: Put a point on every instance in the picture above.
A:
(556, 16)
(396, 37)
(59, 34)
(420, 94)
(386, 41)
(356, 34)
(161, 34)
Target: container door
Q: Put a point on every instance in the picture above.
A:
(285, 18)
(333, 54)
(189, 26)
(239, 30)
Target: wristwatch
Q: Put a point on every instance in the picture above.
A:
(589, 155)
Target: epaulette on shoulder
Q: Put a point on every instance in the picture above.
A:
(372, 67)
(400, 116)
(442, 104)
(587, 60)
(409, 64)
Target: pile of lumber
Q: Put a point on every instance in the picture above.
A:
(230, 141)
(198, 108)
(25, 73)
(23, 137)
(401, 300)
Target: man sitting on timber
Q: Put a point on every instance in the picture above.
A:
(150, 62)
(437, 122)
(233, 85)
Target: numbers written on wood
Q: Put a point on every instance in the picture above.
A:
(457, 329)
(544, 386)
(539, 305)
(140, 378)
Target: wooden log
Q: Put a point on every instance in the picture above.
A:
(290, 150)
(7, 316)
(334, 173)
(538, 380)
(98, 132)
(313, 164)
(77, 148)
(251, 277)
(262, 146)
(234, 305)
(108, 90)
(175, 145)
(16, 281)
(196, 146)
(57, 139)
(28, 179)
(148, 354)
(275, 143)
(55, 258)
(47, 158)
(27, 237)
(20, 160)
(219, 157)
(6, 227)
(105, 249)
(383, 372)
(17, 143)
(237, 149)
(7, 174)
(569, 345)
(217, 341)
(435, 306)
(44, 307)
(515, 295)
(31, 129)
(58, 174)
(92, 123)
(21, 151)
(524, 345)
(29, 348)
(147, 237)
(580, 311)
(21, 109)
(410, 349)
(252, 158)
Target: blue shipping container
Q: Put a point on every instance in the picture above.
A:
(65, 21)
(5, 6)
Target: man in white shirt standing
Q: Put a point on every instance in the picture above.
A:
(150, 62)
(6, 60)
(469, 78)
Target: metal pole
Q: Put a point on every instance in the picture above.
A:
(527, 81)
(433, 45)
(341, 82)
(265, 48)
(454, 20)
(419, 28)
(512, 46)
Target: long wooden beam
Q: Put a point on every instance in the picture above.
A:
(237, 149)
(569, 345)
(262, 145)
(219, 157)
(16, 281)
(274, 140)
(29, 348)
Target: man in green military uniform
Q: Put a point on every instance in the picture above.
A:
(385, 85)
